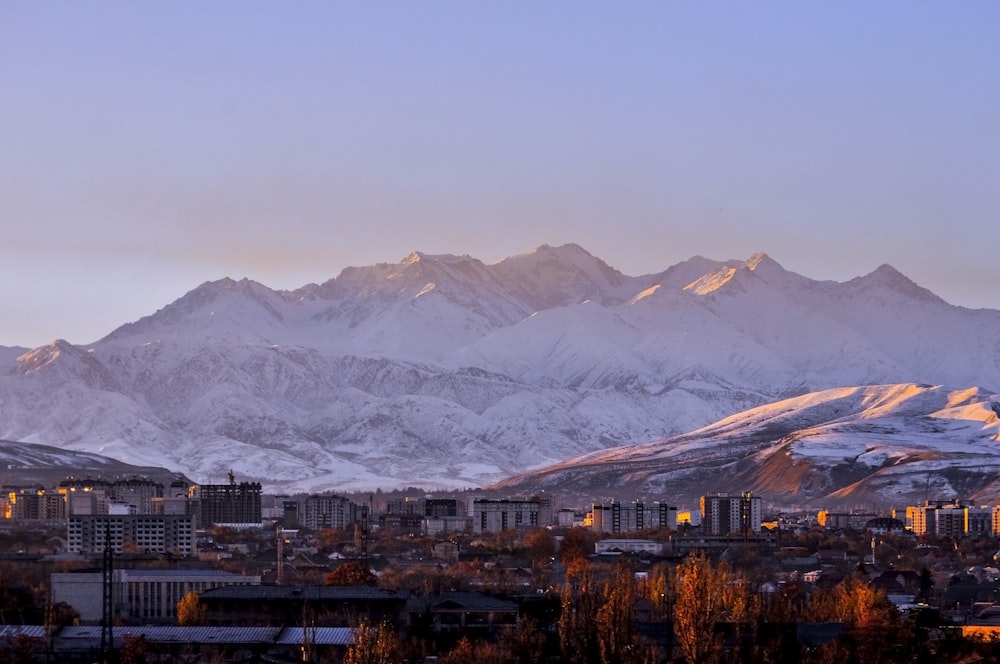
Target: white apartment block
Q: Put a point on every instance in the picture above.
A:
(138, 532)
(493, 516)
(615, 517)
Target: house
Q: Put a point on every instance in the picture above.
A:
(466, 612)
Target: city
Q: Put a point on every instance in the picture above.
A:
(227, 573)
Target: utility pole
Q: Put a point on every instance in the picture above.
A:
(280, 563)
(366, 516)
(107, 598)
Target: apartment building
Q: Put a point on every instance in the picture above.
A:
(229, 504)
(722, 514)
(89, 534)
(493, 516)
(616, 517)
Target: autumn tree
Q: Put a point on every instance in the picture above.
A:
(59, 614)
(581, 600)
(853, 602)
(576, 546)
(133, 650)
(541, 546)
(706, 596)
(372, 644)
(327, 539)
(21, 649)
(476, 652)
(351, 573)
(615, 620)
(190, 610)
(526, 643)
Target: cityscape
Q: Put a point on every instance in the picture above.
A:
(499, 333)
(225, 573)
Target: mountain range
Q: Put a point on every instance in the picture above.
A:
(441, 371)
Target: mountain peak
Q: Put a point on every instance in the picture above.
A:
(760, 259)
(558, 276)
(886, 276)
(568, 250)
(445, 259)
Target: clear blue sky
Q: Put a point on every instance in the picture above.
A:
(148, 147)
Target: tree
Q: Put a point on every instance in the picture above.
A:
(576, 546)
(616, 632)
(351, 573)
(705, 597)
(190, 611)
(926, 583)
(855, 603)
(133, 650)
(21, 649)
(327, 539)
(541, 546)
(578, 618)
(372, 644)
(60, 614)
(526, 644)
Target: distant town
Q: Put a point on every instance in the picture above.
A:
(134, 569)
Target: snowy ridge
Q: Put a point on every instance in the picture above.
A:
(442, 371)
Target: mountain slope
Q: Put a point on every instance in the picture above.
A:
(27, 465)
(444, 371)
(890, 444)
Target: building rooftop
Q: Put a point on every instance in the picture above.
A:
(312, 593)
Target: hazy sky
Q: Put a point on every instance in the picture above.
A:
(148, 147)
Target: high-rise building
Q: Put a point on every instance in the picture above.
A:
(329, 511)
(722, 514)
(35, 505)
(492, 516)
(952, 518)
(229, 503)
(615, 517)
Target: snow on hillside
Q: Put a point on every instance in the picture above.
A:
(856, 445)
(444, 371)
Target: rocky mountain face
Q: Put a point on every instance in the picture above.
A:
(442, 371)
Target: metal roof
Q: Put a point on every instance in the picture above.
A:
(14, 631)
(320, 636)
(86, 636)
(166, 634)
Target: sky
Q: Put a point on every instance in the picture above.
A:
(146, 148)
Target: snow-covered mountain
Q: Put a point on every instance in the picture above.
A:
(442, 371)
(884, 444)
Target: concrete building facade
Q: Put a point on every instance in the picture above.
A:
(615, 517)
(139, 596)
(229, 503)
(87, 534)
(493, 516)
(722, 514)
